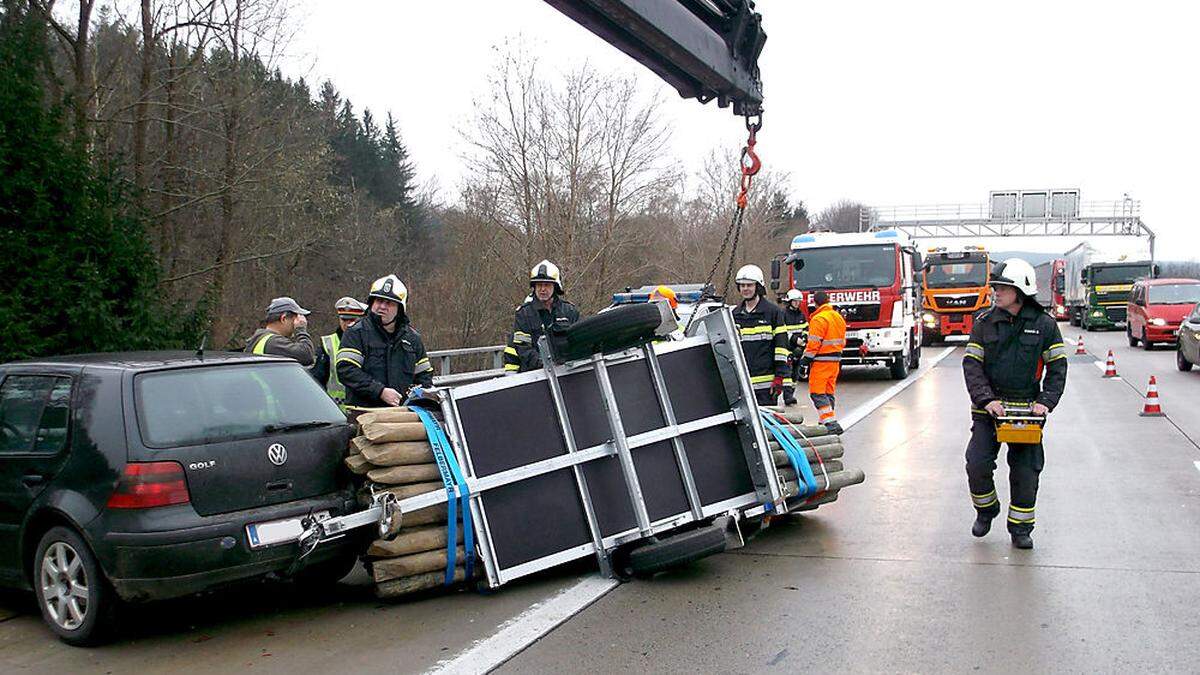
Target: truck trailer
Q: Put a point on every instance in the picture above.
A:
(1051, 284)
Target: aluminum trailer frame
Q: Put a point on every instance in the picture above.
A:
(605, 478)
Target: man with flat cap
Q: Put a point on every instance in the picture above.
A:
(285, 333)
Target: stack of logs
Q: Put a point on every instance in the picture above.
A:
(824, 452)
(393, 452)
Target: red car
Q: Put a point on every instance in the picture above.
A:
(1156, 308)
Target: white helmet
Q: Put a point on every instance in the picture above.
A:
(1016, 273)
(546, 271)
(390, 288)
(752, 274)
(793, 294)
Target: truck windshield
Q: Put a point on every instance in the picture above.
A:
(190, 406)
(1174, 294)
(1118, 274)
(963, 272)
(845, 267)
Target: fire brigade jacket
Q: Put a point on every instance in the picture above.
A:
(370, 359)
(826, 334)
(1008, 355)
(796, 324)
(764, 341)
(531, 322)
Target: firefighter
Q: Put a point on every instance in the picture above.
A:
(381, 356)
(797, 325)
(822, 359)
(285, 332)
(1015, 353)
(545, 309)
(763, 336)
(348, 311)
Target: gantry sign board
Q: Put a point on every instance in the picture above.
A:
(1033, 204)
(577, 459)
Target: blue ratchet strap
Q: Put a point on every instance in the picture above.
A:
(794, 452)
(439, 454)
(465, 497)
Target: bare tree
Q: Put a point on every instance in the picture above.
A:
(842, 216)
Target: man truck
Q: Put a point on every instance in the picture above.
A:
(954, 285)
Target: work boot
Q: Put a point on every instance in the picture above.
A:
(982, 525)
(834, 428)
(789, 401)
(1022, 541)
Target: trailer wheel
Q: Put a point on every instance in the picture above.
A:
(676, 550)
(617, 328)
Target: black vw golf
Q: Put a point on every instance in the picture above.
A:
(132, 477)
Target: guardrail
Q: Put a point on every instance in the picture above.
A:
(446, 376)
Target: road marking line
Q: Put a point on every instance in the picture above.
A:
(1102, 366)
(872, 405)
(1197, 465)
(518, 633)
(527, 627)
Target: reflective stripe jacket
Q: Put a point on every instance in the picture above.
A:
(797, 325)
(1008, 355)
(324, 372)
(826, 334)
(299, 346)
(764, 341)
(370, 359)
(531, 322)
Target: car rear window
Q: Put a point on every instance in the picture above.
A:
(191, 406)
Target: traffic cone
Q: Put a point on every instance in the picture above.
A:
(1110, 368)
(1079, 350)
(1152, 408)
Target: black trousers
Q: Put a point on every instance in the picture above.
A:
(1025, 462)
(765, 397)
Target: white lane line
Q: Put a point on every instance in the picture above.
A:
(872, 405)
(529, 626)
(1197, 465)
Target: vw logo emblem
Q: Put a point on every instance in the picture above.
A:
(277, 454)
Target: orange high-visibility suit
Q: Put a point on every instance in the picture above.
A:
(826, 339)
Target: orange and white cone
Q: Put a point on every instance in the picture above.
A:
(1079, 350)
(1152, 408)
(1110, 368)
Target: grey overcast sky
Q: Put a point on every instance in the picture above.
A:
(883, 102)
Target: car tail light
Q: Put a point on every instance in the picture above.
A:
(145, 485)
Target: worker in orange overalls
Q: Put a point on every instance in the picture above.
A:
(823, 358)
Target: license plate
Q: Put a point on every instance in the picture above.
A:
(276, 532)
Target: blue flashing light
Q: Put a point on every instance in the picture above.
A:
(887, 234)
(804, 239)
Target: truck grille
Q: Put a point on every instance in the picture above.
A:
(1116, 313)
(860, 312)
(950, 302)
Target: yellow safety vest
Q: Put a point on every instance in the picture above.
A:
(337, 391)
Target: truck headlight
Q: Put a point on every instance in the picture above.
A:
(1097, 313)
(1060, 309)
(928, 318)
(1158, 321)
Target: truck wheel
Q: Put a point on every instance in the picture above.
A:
(916, 358)
(926, 338)
(618, 328)
(899, 367)
(1181, 361)
(676, 550)
(75, 599)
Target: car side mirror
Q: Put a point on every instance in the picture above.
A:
(1156, 270)
(1083, 276)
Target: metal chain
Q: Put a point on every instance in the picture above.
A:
(735, 224)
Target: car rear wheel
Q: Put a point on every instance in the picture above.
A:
(1181, 361)
(1133, 342)
(75, 599)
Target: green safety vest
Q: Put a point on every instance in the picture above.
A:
(337, 391)
(260, 347)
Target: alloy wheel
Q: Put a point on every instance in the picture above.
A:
(64, 586)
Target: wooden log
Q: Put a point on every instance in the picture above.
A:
(831, 466)
(385, 415)
(827, 452)
(404, 475)
(387, 569)
(358, 464)
(358, 444)
(396, 454)
(385, 432)
(422, 582)
(793, 416)
(414, 540)
(406, 491)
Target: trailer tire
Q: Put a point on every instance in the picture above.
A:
(617, 328)
(676, 550)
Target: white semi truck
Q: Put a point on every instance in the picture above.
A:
(1099, 276)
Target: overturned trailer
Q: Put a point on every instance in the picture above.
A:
(641, 452)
